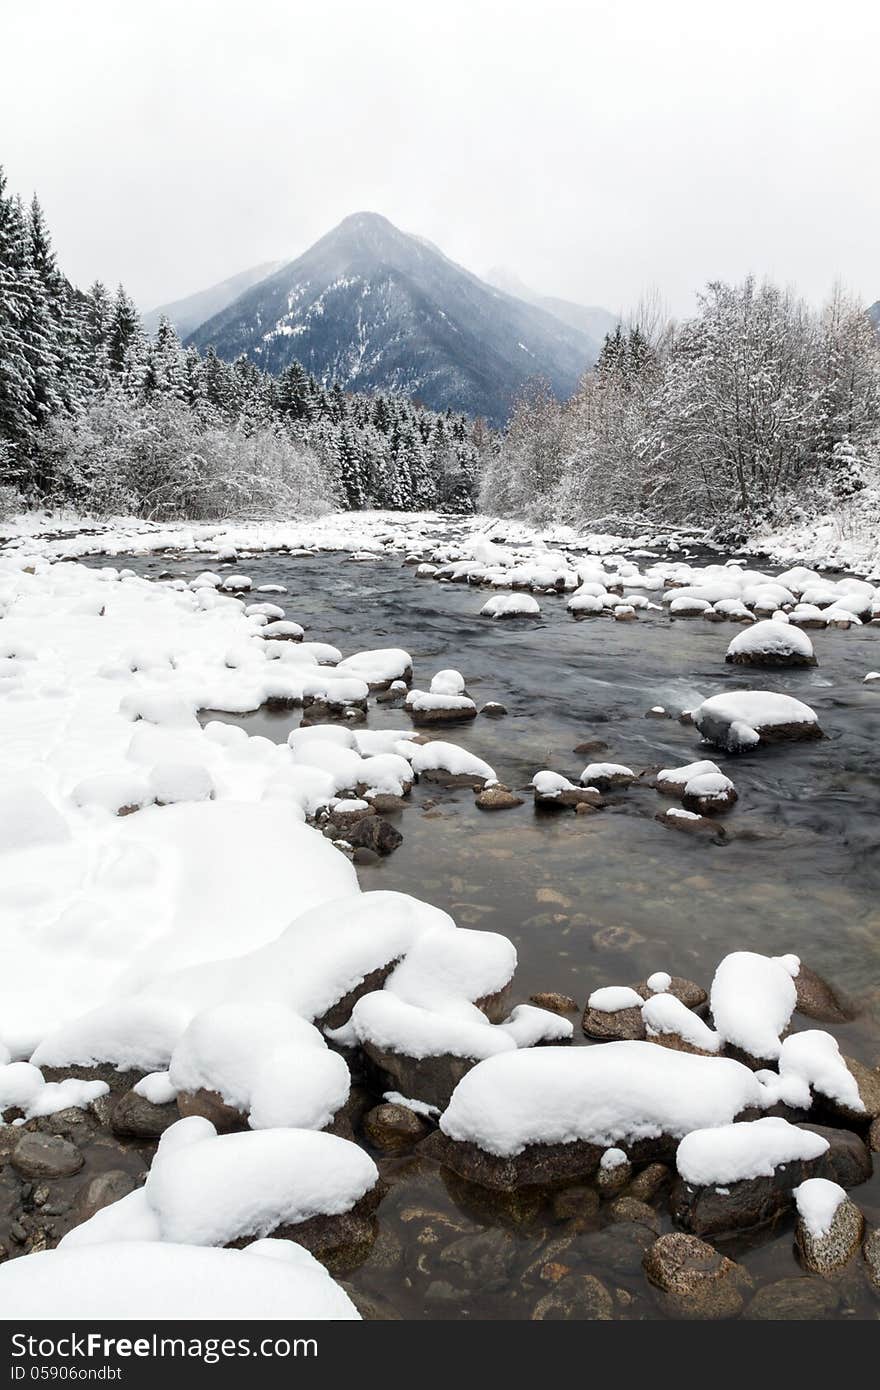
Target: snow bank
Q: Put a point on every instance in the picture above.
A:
(171, 1282)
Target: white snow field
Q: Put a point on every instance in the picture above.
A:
(171, 1282)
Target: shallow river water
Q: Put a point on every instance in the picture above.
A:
(607, 898)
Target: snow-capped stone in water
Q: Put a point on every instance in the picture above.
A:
(745, 718)
(236, 584)
(555, 791)
(171, 1282)
(611, 998)
(604, 776)
(527, 1116)
(829, 1228)
(264, 610)
(691, 823)
(379, 667)
(687, 607)
(587, 605)
(670, 1022)
(613, 1173)
(447, 683)
(810, 1063)
(708, 793)
(517, 605)
(742, 1203)
(752, 999)
(673, 780)
(750, 1149)
(871, 677)
(493, 709)
(693, 1281)
(771, 643)
(425, 707)
(659, 982)
(282, 630)
(440, 761)
(733, 610)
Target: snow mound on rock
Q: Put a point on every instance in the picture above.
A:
(607, 1095)
(750, 1149)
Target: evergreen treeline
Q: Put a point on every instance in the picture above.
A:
(95, 414)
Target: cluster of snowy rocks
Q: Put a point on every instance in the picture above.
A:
(185, 954)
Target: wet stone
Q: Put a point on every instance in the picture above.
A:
(649, 1182)
(871, 1253)
(631, 1209)
(136, 1117)
(555, 1003)
(817, 999)
(828, 1253)
(100, 1191)
(578, 1297)
(607, 1027)
(484, 1259)
(579, 1203)
(692, 1280)
(619, 1248)
(46, 1156)
(394, 1128)
(373, 833)
(498, 798)
(794, 1300)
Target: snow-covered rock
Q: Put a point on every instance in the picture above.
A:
(745, 718)
(511, 606)
(771, 643)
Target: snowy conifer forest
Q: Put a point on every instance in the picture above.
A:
(439, 867)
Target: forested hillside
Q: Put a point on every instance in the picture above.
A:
(97, 415)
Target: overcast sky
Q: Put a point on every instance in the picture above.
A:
(595, 149)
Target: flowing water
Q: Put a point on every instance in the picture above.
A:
(606, 898)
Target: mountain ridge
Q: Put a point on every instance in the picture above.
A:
(192, 310)
(374, 308)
